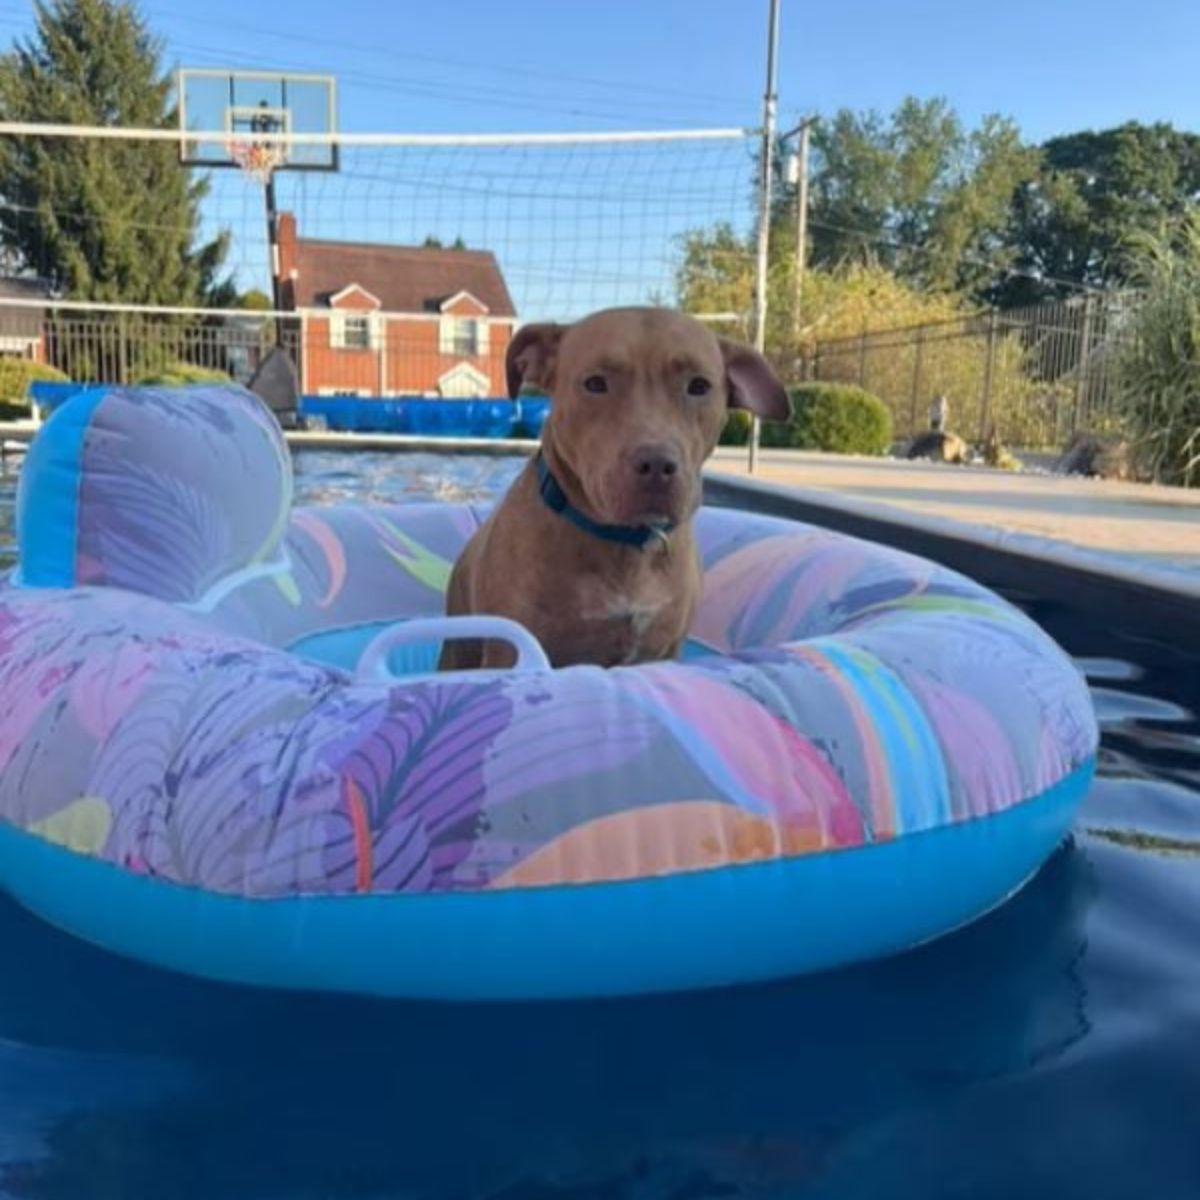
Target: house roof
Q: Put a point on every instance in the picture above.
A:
(22, 321)
(405, 278)
(23, 287)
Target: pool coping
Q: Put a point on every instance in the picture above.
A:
(1145, 600)
(314, 439)
(20, 433)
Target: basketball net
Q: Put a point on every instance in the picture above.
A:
(258, 160)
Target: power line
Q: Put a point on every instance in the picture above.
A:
(460, 95)
(392, 55)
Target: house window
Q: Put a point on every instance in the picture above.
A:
(358, 333)
(462, 336)
(350, 331)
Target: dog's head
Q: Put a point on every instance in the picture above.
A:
(639, 398)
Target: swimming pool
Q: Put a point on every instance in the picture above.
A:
(1049, 1050)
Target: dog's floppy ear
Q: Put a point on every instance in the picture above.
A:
(752, 383)
(530, 358)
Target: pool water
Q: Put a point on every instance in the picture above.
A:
(1050, 1050)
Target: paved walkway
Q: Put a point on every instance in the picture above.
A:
(1156, 523)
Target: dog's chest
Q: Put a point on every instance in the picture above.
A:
(634, 627)
(633, 621)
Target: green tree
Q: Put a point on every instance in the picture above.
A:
(254, 301)
(716, 275)
(104, 220)
(1072, 223)
(916, 192)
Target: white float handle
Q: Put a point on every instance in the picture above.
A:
(373, 662)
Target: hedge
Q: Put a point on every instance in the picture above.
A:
(835, 417)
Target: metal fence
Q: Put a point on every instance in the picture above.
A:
(335, 352)
(1035, 375)
(128, 348)
(108, 344)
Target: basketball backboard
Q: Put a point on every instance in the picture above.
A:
(240, 104)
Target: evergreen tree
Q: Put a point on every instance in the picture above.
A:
(102, 220)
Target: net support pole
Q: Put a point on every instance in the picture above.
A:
(762, 257)
(273, 250)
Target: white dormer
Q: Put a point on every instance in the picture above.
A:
(463, 328)
(463, 382)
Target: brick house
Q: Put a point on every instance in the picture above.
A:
(395, 320)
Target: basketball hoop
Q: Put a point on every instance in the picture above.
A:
(258, 160)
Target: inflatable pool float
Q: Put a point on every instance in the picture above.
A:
(223, 748)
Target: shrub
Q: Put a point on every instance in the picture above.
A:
(1158, 366)
(737, 428)
(834, 417)
(181, 374)
(16, 374)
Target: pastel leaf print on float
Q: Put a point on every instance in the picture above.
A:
(83, 826)
(412, 772)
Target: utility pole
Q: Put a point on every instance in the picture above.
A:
(801, 182)
(762, 259)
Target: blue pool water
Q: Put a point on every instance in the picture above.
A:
(1050, 1050)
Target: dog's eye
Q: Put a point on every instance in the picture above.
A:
(698, 386)
(596, 384)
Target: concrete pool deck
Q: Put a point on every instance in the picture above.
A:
(1159, 525)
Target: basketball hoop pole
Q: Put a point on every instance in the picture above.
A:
(266, 124)
(273, 250)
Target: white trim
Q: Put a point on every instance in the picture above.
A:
(245, 314)
(355, 287)
(226, 72)
(303, 353)
(389, 316)
(448, 341)
(379, 333)
(133, 134)
(339, 321)
(462, 295)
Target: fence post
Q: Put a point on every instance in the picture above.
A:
(122, 350)
(862, 359)
(918, 354)
(1082, 369)
(989, 368)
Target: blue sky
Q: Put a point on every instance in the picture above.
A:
(1055, 65)
(533, 65)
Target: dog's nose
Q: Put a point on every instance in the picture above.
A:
(655, 465)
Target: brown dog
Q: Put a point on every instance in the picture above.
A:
(592, 548)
